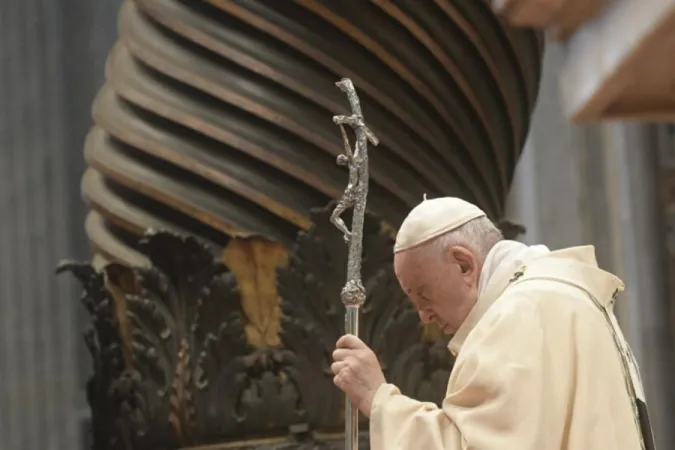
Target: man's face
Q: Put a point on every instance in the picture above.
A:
(442, 287)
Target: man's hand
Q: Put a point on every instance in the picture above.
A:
(357, 372)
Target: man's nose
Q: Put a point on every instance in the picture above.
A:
(425, 317)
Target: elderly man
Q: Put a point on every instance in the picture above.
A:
(541, 363)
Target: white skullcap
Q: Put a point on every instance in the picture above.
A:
(432, 218)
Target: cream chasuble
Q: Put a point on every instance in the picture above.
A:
(541, 365)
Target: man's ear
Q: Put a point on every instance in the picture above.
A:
(465, 259)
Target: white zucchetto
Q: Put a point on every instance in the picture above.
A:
(432, 218)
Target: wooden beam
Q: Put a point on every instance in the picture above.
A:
(621, 65)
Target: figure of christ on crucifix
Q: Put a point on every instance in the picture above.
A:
(355, 162)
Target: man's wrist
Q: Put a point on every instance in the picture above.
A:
(381, 395)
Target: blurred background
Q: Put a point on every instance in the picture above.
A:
(612, 186)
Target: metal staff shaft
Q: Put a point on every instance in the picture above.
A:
(353, 293)
(351, 413)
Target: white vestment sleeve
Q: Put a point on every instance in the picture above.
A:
(496, 393)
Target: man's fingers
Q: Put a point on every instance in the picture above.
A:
(337, 366)
(341, 354)
(350, 341)
(339, 381)
(342, 372)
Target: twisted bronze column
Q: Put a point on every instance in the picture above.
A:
(215, 116)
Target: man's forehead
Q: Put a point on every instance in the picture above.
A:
(408, 268)
(409, 260)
